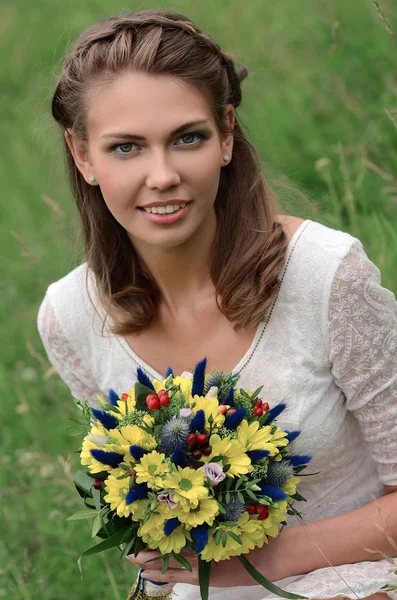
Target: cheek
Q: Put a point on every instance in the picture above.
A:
(118, 186)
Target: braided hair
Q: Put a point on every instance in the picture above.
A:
(250, 245)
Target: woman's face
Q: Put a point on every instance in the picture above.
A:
(160, 184)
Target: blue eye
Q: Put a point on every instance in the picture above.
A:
(192, 135)
(123, 148)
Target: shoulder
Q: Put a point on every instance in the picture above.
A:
(72, 300)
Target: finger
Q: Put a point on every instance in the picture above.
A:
(172, 576)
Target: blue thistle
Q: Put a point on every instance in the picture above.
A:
(256, 455)
(292, 435)
(198, 421)
(108, 421)
(234, 509)
(171, 525)
(297, 461)
(200, 537)
(169, 372)
(274, 412)
(173, 434)
(137, 492)
(278, 473)
(144, 379)
(137, 452)
(273, 492)
(113, 397)
(179, 459)
(233, 421)
(113, 459)
(199, 378)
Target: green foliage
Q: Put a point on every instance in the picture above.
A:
(319, 104)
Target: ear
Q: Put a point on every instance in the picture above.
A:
(227, 140)
(79, 150)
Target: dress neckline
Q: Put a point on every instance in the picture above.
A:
(151, 372)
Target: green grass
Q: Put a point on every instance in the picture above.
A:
(318, 103)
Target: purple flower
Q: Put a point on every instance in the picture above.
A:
(185, 413)
(168, 498)
(214, 472)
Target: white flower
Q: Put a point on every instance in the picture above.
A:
(214, 472)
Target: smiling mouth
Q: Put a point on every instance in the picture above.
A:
(163, 209)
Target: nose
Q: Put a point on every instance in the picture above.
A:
(161, 174)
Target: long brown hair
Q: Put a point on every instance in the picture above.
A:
(250, 245)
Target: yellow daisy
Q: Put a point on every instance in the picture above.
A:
(117, 490)
(184, 383)
(254, 437)
(217, 552)
(210, 406)
(151, 469)
(205, 512)
(187, 486)
(290, 487)
(133, 435)
(276, 515)
(250, 533)
(233, 451)
(86, 459)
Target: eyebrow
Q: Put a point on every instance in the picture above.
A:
(123, 135)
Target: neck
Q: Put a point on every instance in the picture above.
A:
(183, 273)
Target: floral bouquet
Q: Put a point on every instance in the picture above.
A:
(188, 463)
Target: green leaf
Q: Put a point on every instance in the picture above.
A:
(298, 497)
(165, 563)
(204, 569)
(111, 542)
(224, 539)
(239, 482)
(218, 536)
(227, 498)
(235, 537)
(265, 582)
(217, 458)
(141, 393)
(96, 494)
(257, 392)
(185, 563)
(251, 495)
(97, 524)
(229, 483)
(127, 549)
(240, 497)
(82, 514)
(83, 482)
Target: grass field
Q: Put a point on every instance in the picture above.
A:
(321, 106)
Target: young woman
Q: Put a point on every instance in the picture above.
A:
(187, 256)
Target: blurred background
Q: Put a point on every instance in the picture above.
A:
(320, 104)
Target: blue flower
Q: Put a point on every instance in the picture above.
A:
(108, 421)
(179, 459)
(273, 492)
(171, 525)
(137, 492)
(169, 372)
(256, 455)
(199, 378)
(137, 452)
(113, 397)
(232, 421)
(198, 421)
(200, 537)
(299, 460)
(292, 435)
(274, 412)
(173, 434)
(230, 397)
(113, 459)
(144, 379)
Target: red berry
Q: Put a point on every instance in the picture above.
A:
(262, 510)
(153, 403)
(259, 403)
(265, 406)
(222, 409)
(151, 397)
(124, 396)
(258, 412)
(207, 450)
(98, 484)
(201, 439)
(191, 439)
(263, 517)
(164, 399)
(251, 510)
(231, 412)
(197, 454)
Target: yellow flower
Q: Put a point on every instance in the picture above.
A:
(187, 486)
(210, 406)
(152, 532)
(254, 437)
(131, 435)
(205, 512)
(290, 487)
(233, 451)
(117, 490)
(217, 552)
(151, 469)
(184, 383)
(128, 403)
(97, 439)
(276, 515)
(251, 534)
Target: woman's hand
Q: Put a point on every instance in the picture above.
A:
(226, 573)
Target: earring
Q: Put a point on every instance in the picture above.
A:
(226, 158)
(91, 179)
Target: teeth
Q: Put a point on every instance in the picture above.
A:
(161, 210)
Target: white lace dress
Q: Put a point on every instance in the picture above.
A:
(328, 346)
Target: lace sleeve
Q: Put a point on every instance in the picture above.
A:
(363, 354)
(63, 356)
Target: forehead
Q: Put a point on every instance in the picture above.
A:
(150, 104)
